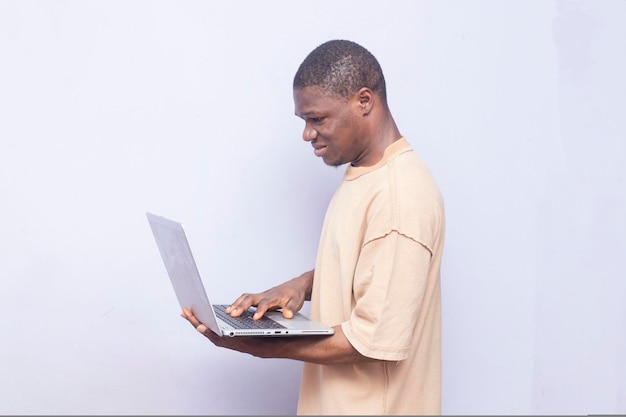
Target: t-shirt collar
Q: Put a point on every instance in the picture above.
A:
(396, 147)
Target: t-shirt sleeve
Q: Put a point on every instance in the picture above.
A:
(389, 285)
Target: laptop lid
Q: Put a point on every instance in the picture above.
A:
(185, 278)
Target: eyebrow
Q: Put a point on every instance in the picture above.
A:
(308, 114)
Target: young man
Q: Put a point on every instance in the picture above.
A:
(377, 273)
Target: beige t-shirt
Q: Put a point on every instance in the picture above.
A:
(378, 275)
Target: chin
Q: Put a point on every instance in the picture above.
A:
(332, 163)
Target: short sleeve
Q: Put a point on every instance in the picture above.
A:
(389, 286)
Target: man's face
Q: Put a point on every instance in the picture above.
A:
(334, 126)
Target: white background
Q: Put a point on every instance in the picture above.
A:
(109, 109)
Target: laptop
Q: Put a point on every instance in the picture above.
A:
(185, 278)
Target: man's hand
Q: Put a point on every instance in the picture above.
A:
(289, 296)
(261, 348)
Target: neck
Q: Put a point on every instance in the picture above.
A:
(385, 133)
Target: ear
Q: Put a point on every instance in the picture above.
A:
(366, 100)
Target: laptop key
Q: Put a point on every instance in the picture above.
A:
(245, 321)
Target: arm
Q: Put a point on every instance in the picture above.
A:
(289, 296)
(325, 350)
(403, 300)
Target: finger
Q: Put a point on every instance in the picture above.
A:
(261, 309)
(292, 307)
(188, 314)
(287, 313)
(235, 308)
(241, 304)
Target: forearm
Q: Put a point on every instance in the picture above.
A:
(324, 350)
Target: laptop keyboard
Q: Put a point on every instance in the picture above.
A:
(245, 321)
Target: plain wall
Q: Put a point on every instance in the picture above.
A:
(111, 109)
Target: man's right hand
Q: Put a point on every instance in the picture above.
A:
(289, 296)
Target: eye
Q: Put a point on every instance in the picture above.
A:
(317, 119)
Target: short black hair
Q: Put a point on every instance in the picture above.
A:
(341, 68)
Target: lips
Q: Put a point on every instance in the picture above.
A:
(319, 150)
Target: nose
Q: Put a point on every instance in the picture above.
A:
(309, 133)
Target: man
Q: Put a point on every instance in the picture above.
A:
(377, 273)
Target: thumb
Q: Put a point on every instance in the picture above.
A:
(287, 313)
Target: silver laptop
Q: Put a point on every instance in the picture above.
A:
(183, 272)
